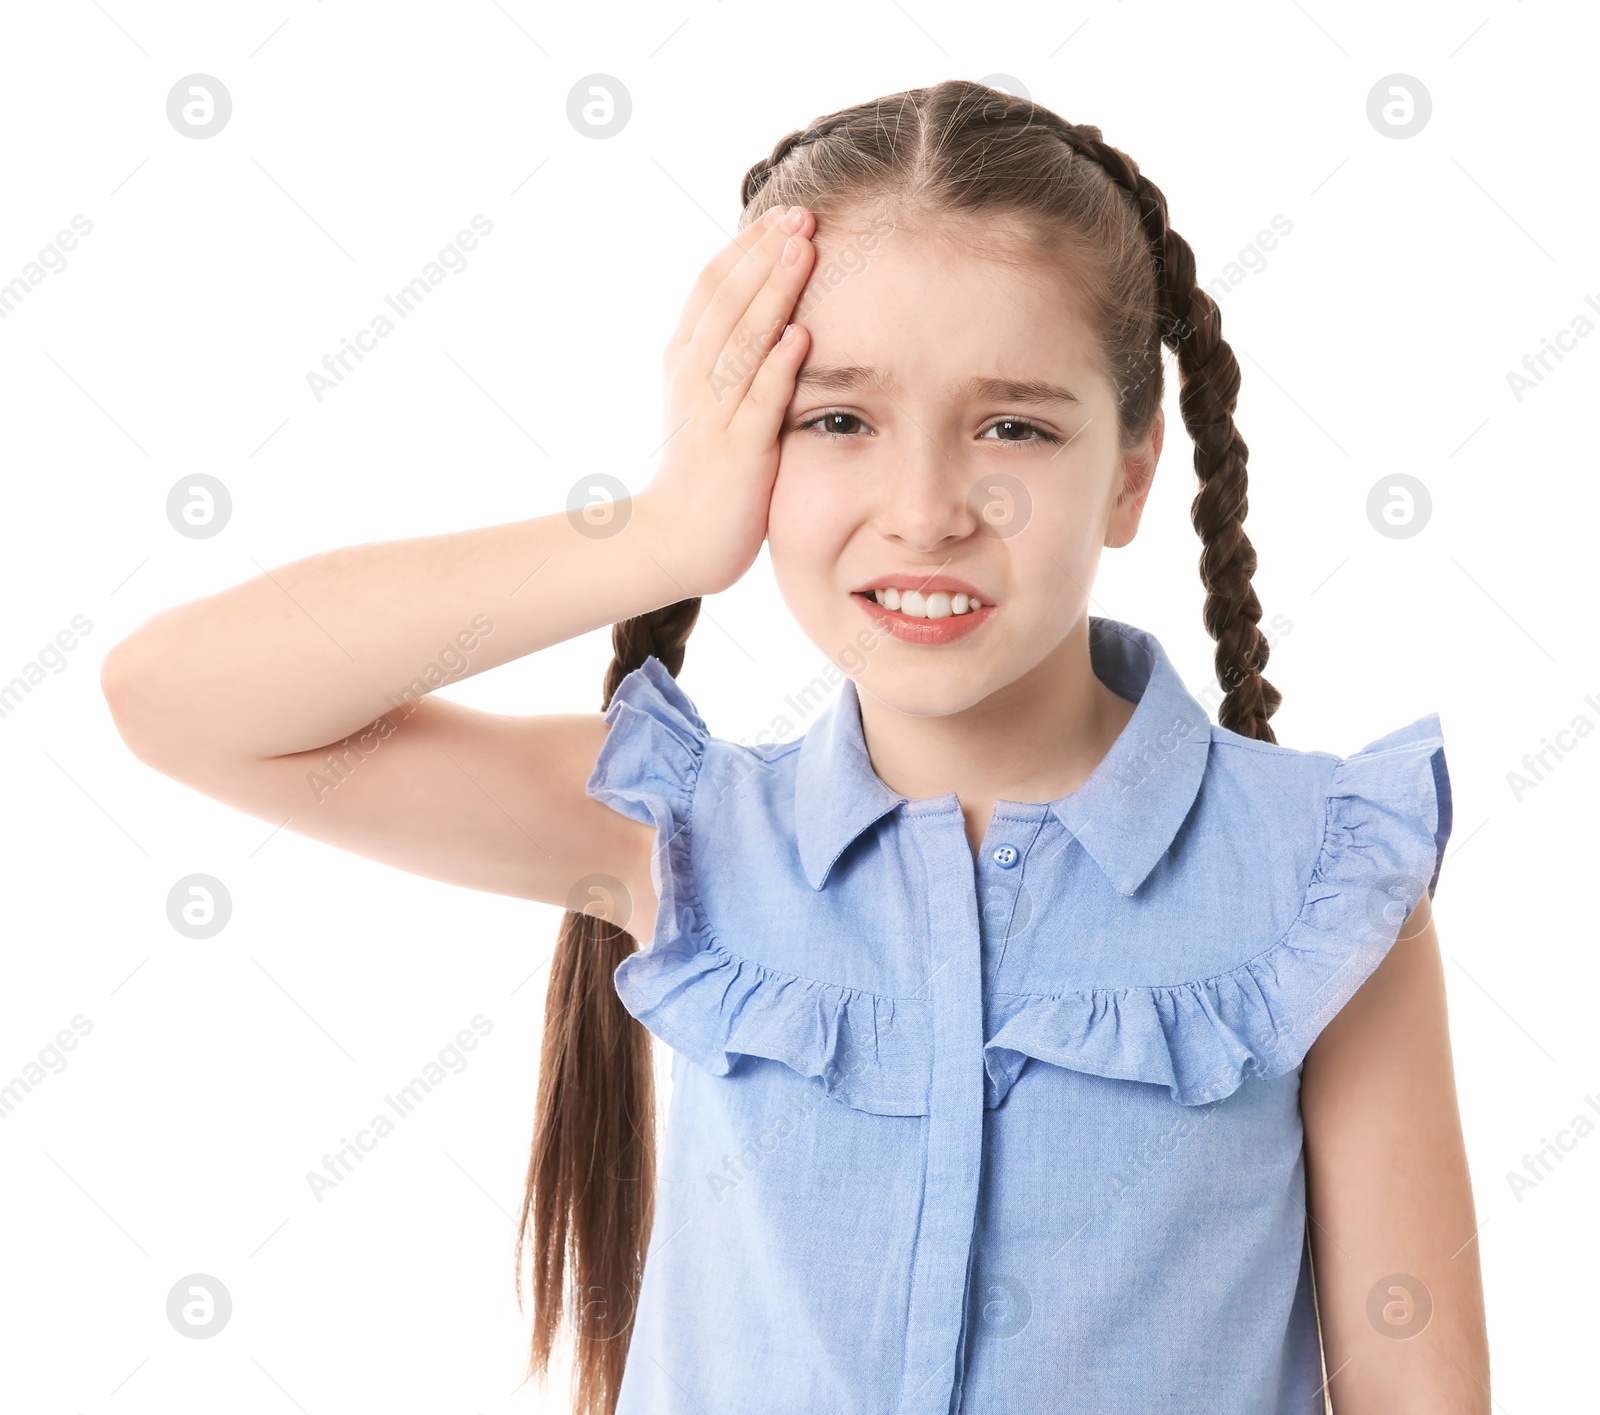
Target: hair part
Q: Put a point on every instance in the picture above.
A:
(954, 149)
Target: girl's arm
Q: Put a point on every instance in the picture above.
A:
(1389, 1194)
(300, 696)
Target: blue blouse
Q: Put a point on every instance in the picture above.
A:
(1019, 1133)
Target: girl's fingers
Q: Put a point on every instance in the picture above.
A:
(761, 325)
(716, 271)
(702, 362)
(719, 377)
(760, 412)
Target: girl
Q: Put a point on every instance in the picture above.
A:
(1037, 1045)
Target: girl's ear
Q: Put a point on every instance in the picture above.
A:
(1138, 472)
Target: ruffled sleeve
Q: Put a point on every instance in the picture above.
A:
(647, 769)
(707, 1003)
(1386, 820)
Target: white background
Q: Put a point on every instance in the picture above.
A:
(1376, 340)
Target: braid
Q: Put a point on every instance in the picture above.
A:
(663, 632)
(756, 177)
(596, 1102)
(1209, 377)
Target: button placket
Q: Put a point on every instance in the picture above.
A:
(998, 883)
(939, 1284)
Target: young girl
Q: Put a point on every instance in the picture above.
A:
(1037, 1045)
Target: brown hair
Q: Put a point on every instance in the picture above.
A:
(953, 149)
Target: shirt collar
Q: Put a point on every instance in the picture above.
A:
(1125, 815)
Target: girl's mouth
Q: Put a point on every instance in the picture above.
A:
(918, 618)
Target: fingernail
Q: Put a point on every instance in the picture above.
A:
(795, 219)
(791, 251)
(774, 215)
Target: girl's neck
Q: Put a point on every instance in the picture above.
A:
(1038, 738)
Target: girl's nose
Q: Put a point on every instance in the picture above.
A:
(930, 496)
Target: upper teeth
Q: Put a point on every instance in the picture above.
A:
(916, 605)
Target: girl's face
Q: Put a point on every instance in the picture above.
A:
(950, 431)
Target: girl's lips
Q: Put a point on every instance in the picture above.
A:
(927, 584)
(930, 632)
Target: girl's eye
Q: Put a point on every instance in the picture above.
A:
(838, 425)
(827, 424)
(1009, 426)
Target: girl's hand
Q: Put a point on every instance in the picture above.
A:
(730, 377)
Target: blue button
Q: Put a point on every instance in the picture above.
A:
(1005, 856)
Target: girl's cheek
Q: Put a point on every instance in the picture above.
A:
(1054, 557)
(806, 500)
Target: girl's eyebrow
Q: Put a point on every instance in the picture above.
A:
(847, 378)
(1014, 390)
(840, 378)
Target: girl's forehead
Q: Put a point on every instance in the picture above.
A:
(894, 334)
(956, 247)
(960, 280)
